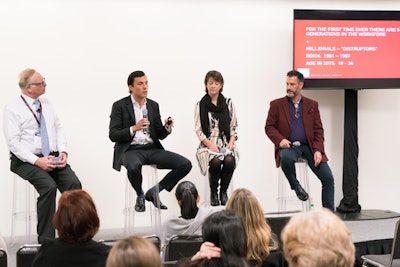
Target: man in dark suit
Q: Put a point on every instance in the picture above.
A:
(294, 126)
(136, 129)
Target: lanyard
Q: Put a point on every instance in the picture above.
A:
(33, 113)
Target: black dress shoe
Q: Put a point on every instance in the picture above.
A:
(140, 205)
(224, 198)
(214, 199)
(301, 193)
(149, 197)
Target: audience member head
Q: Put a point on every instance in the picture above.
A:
(216, 76)
(134, 251)
(76, 218)
(188, 198)
(318, 238)
(258, 232)
(225, 229)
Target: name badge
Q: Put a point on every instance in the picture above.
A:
(37, 141)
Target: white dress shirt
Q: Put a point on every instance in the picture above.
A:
(140, 137)
(20, 127)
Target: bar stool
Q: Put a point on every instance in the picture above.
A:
(287, 195)
(130, 198)
(28, 212)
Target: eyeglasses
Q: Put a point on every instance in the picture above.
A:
(37, 84)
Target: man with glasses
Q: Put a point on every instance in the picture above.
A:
(37, 144)
(294, 126)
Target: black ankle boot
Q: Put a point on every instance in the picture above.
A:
(224, 198)
(214, 199)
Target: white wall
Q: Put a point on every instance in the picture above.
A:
(86, 49)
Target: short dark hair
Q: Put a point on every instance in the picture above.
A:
(217, 76)
(186, 193)
(76, 218)
(133, 75)
(296, 73)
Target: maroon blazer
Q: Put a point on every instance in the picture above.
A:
(277, 126)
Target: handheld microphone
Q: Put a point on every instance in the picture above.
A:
(295, 143)
(145, 116)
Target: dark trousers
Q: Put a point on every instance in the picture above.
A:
(134, 159)
(46, 184)
(288, 158)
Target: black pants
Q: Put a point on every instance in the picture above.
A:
(46, 184)
(134, 159)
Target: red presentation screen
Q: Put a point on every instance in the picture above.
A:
(349, 47)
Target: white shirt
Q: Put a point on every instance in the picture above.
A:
(20, 127)
(140, 137)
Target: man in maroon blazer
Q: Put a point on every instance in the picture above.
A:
(294, 126)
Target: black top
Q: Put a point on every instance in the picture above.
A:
(275, 259)
(62, 254)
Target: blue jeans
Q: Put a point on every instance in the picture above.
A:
(288, 158)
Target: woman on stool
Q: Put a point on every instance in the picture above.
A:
(215, 123)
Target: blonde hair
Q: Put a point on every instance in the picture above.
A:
(258, 232)
(24, 77)
(318, 238)
(134, 251)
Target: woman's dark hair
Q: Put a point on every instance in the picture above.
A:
(76, 218)
(217, 76)
(225, 229)
(186, 193)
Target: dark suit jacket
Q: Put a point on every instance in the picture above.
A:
(123, 117)
(277, 126)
